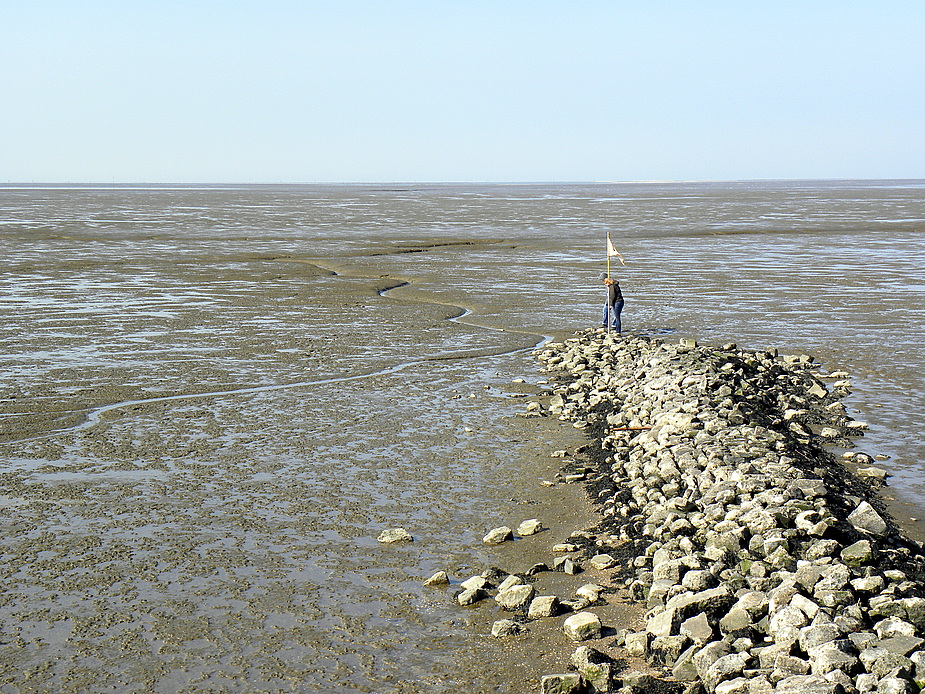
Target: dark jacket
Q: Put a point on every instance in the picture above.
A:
(614, 295)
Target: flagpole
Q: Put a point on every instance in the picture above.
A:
(608, 254)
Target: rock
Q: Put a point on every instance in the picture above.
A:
(475, 582)
(807, 684)
(566, 565)
(697, 629)
(438, 579)
(393, 535)
(568, 683)
(595, 667)
(894, 685)
(724, 668)
(872, 473)
(529, 527)
(509, 582)
(866, 519)
(565, 547)
(684, 669)
(637, 644)
(735, 621)
(498, 536)
(818, 634)
(708, 655)
(666, 650)
(740, 685)
(468, 596)
(590, 592)
(506, 627)
(900, 645)
(516, 597)
(583, 626)
(602, 561)
(859, 553)
(543, 606)
(834, 655)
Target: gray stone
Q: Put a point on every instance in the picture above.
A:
(895, 685)
(475, 582)
(684, 669)
(807, 684)
(697, 629)
(866, 518)
(816, 635)
(805, 605)
(498, 536)
(834, 577)
(915, 611)
(543, 606)
(529, 527)
(516, 597)
(637, 644)
(893, 626)
(753, 602)
(736, 620)
(834, 655)
(666, 650)
(567, 683)
(602, 561)
(791, 665)
(788, 617)
(739, 685)
(506, 627)
(590, 592)
(468, 596)
(438, 579)
(859, 553)
(724, 668)
(595, 667)
(583, 626)
(900, 645)
(393, 535)
(510, 582)
(708, 655)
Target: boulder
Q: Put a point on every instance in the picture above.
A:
(393, 535)
(866, 519)
(567, 683)
(516, 597)
(529, 527)
(583, 626)
(543, 606)
(498, 536)
(506, 627)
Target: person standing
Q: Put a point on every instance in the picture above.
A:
(614, 305)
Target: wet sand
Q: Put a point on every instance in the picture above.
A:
(208, 414)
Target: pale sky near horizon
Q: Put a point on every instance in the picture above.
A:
(352, 91)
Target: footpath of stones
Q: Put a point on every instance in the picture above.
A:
(764, 562)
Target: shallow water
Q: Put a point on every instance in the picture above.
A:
(213, 399)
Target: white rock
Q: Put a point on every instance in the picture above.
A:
(394, 535)
(529, 527)
(866, 518)
(582, 626)
(498, 535)
(438, 579)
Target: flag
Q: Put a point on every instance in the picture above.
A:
(613, 251)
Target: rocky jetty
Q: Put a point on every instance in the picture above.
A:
(764, 562)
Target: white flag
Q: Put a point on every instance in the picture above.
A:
(613, 251)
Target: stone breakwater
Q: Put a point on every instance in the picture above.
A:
(764, 562)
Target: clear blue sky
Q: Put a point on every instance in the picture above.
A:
(280, 90)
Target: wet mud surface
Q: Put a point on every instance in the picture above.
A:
(212, 402)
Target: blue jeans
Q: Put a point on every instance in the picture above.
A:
(617, 309)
